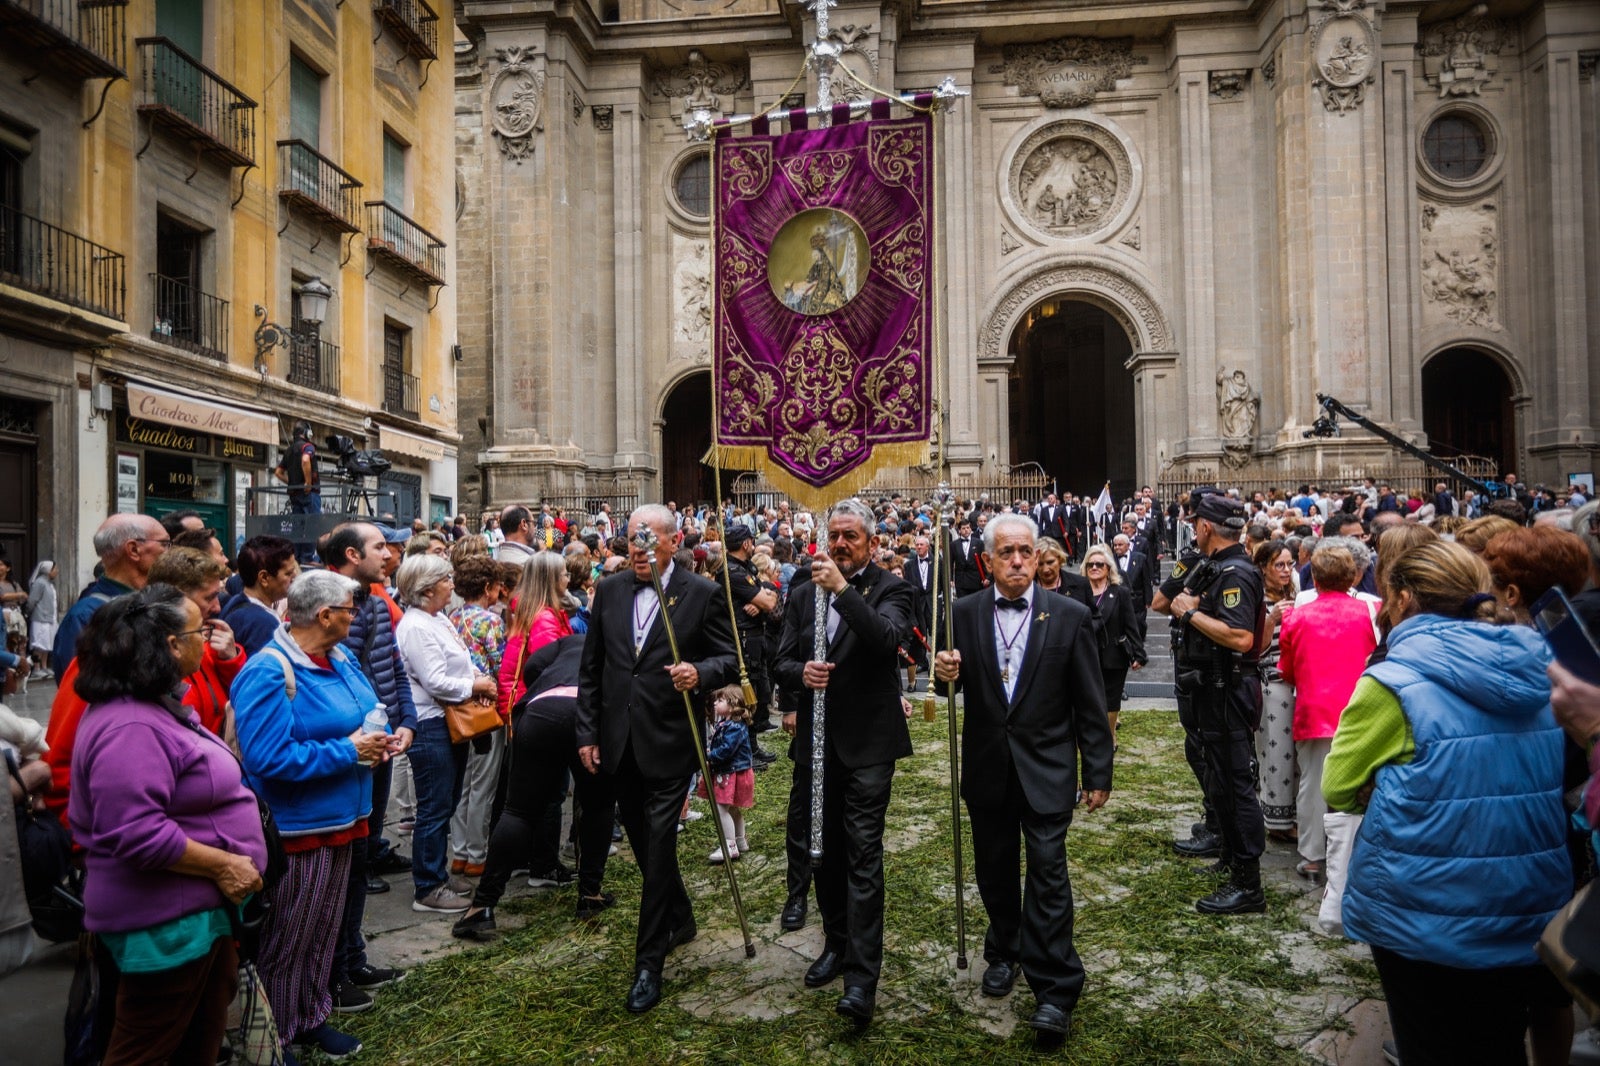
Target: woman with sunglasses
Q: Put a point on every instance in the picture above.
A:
(1121, 647)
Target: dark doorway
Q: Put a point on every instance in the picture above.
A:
(1071, 398)
(1466, 407)
(19, 465)
(685, 438)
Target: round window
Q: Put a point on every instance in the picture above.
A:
(692, 186)
(1456, 147)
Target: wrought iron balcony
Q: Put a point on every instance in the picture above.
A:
(313, 362)
(413, 24)
(187, 318)
(403, 244)
(87, 38)
(315, 184)
(194, 102)
(402, 392)
(51, 262)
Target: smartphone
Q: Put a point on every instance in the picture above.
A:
(1569, 639)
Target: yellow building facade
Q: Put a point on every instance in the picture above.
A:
(219, 218)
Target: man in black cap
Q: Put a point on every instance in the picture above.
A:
(1219, 613)
(751, 602)
(298, 470)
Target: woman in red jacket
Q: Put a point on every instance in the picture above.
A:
(538, 617)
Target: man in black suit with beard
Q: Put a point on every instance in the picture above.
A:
(871, 613)
(631, 722)
(1035, 705)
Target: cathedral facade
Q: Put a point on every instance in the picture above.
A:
(1167, 225)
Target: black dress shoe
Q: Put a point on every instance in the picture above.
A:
(1000, 978)
(645, 993)
(1233, 898)
(825, 969)
(794, 915)
(1206, 845)
(392, 862)
(682, 935)
(856, 1004)
(1051, 1023)
(478, 926)
(376, 886)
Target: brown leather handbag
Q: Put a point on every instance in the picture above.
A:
(471, 718)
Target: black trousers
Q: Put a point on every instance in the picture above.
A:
(1227, 736)
(1029, 923)
(1443, 1016)
(649, 810)
(797, 827)
(850, 880)
(1194, 755)
(542, 753)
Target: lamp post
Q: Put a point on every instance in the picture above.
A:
(314, 296)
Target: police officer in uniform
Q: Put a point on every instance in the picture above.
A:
(1205, 839)
(751, 602)
(1220, 614)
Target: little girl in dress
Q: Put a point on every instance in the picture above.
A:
(731, 762)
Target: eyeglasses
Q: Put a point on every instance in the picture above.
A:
(205, 631)
(1094, 566)
(165, 542)
(337, 607)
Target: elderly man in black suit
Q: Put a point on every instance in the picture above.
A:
(1030, 665)
(926, 585)
(870, 614)
(1138, 570)
(631, 722)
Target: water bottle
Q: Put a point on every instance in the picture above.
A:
(376, 721)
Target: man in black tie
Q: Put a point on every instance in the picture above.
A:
(1139, 575)
(1035, 705)
(925, 587)
(1051, 517)
(631, 722)
(870, 615)
(966, 563)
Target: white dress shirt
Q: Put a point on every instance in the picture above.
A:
(1013, 626)
(646, 605)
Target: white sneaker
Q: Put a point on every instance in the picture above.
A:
(693, 815)
(742, 844)
(441, 901)
(716, 856)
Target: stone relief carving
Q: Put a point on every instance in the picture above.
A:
(1068, 71)
(602, 117)
(1343, 48)
(1134, 239)
(1069, 179)
(1145, 325)
(691, 290)
(1238, 411)
(1008, 243)
(1461, 264)
(859, 56)
(700, 83)
(575, 102)
(1269, 71)
(1460, 56)
(1587, 61)
(1228, 84)
(516, 102)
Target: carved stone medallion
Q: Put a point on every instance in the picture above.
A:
(1343, 50)
(516, 103)
(1068, 71)
(1069, 179)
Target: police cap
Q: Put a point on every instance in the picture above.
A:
(737, 534)
(1223, 510)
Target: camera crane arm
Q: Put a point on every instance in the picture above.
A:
(1327, 425)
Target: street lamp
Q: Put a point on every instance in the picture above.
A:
(314, 296)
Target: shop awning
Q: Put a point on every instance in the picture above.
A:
(395, 440)
(202, 414)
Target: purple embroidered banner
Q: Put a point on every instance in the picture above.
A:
(822, 350)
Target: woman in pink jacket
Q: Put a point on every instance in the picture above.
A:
(1324, 646)
(538, 617)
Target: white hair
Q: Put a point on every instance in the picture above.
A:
(1001, 522)
(315, 589)
(418, 575)
(657, 516)
(855, 509)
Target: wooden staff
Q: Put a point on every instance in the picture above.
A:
(947, 517)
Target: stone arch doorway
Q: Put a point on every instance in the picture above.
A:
(685, 439)
(1071, 398)
(1467, 406)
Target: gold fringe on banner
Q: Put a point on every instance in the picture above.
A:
(754, 457)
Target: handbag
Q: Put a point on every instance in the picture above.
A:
(1341, 829)
(1570, 946)
(471, 718)
(51, 884)
(252, 1031)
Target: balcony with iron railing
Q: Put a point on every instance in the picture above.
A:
(85, 38)
(51, 262)
(183, 95)
(395, 239)
(402, 392)
(413, 24)
(315, 184)
(187, 318)
(313, 362)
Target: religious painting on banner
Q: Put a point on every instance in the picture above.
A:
(824, 321)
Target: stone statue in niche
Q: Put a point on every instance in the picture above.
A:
(1067, 186)
(1238, 409)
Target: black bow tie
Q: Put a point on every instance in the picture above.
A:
(1011, 605)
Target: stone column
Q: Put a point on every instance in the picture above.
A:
(1198, 247)
(1400, 405)
(1157, 387)
(627, 162)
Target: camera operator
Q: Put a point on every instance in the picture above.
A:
(298, 470)
(1220, 613)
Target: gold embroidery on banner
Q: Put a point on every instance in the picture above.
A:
(896, 156)
(816, 176)
(741, 266)
(747, 168)
(819, 371)
(901, 257)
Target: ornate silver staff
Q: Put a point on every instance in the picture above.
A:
(646, 538)
(819, 727)
(947, 517)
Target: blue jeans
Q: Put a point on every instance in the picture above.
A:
(438, 767)
(305, 502)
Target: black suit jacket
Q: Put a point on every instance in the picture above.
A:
(1056, 715)
(1120, 644)
(622, 698)
(1139, 578)
(923, 595)
(965, 571)
(865, 723)
(1076, 586)
(1052, 521)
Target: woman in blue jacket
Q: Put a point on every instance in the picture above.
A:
(1451, 747)
(298, 708)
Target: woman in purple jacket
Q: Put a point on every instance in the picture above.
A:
(172, 838)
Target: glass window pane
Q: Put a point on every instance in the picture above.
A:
(693, 185)
(1455, 147)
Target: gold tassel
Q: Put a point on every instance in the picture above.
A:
(930, 708)
(811, 497)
